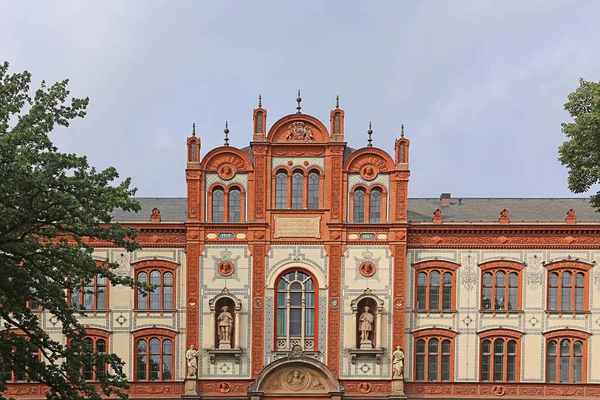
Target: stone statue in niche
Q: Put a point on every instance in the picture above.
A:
(365, 326)
(192, 361)
(225, 322)
(398, 363)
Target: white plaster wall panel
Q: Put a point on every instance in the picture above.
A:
(593, 362)
(212, 284)
(173, 255)
(466, 360)
(567, 322)
(121, 345)
(489, 321)
(167, 320)
(532, 358)
(422, 321)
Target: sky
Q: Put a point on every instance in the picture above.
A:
(479, 85)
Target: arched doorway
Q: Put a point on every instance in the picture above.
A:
(296, 376)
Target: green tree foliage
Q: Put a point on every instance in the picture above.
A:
(51, 203)
(581, 153)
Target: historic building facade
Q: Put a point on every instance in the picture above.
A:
(298, 267)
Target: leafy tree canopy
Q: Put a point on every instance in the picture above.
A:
(581, 153)
(50, 204)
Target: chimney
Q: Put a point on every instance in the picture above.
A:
(445, 199)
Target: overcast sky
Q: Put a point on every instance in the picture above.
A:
(479, 85)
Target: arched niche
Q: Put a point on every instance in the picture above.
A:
(293, 376)
(234, 305)
(375, 308)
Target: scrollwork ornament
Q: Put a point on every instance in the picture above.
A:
(535, 273)
(469, 275)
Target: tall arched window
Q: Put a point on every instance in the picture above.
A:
(433, 355)
(501, 285)
(500, 349)
(234, 205)
(359, 205)
(218, 205)
(375, 206)
(296, 311)
(281, 190)
(566, 354)
(567, 288)
(313, 190)
(297, 190)
(154, 354)
(435, 282)
(161, 274)
(93, 372)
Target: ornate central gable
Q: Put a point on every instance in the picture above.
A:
(298, 128)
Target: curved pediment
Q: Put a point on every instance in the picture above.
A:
(297, 375)
(298, 128)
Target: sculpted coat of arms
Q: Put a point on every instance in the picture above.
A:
(299, 132)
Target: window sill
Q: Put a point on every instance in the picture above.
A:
(154, 312)
(440, 312)
(561, 313)
(506, 313)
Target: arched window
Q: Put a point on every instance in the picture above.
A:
(218, 205)
(161, 274)
(94, 295)
(313, 190)
(501, 285)
(93, 371)
(359, 205)
(296, 311)
(234, 205)
(297, 190)
(499, 358)
(154, 354)
(567, 286)
(566, 354)
(433, 355)
(375, 205)
(435, 285)
(281, 190)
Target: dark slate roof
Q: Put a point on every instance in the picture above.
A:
(488, 210)
(174, 209)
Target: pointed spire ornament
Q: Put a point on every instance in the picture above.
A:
(259, 101)
(337, 101)
(299, 100)
(370, 132)
(226, 130)
(194, 129)
(402, 131)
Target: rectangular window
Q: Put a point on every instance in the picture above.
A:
(281, 321)
(565, 368)
(420, 368)
(551, 368)
(168, 297)
(309, 327)
(432, 371)
(295, 321)
(421, 297)
(434, 297)
(485, 368)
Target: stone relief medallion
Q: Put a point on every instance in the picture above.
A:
(299, 132)
(225, 268)
(398, 303)
(369, 172)
(296, 380)
(226, 171)
(367, 269)
(224, 387)
(364, 387)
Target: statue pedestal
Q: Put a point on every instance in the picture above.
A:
(224, 345)
(191, 385)
(397, 390)
(366, 345)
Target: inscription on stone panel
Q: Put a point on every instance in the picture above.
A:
(297, 227)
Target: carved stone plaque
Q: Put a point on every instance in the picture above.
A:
(309, 227)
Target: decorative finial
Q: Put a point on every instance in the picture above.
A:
(226, 130)
(337, 101)
(370, 132)
(299, 99)
(194, 129)
(259, 101)
(402, 131)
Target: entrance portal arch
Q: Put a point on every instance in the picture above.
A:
(296, 377)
